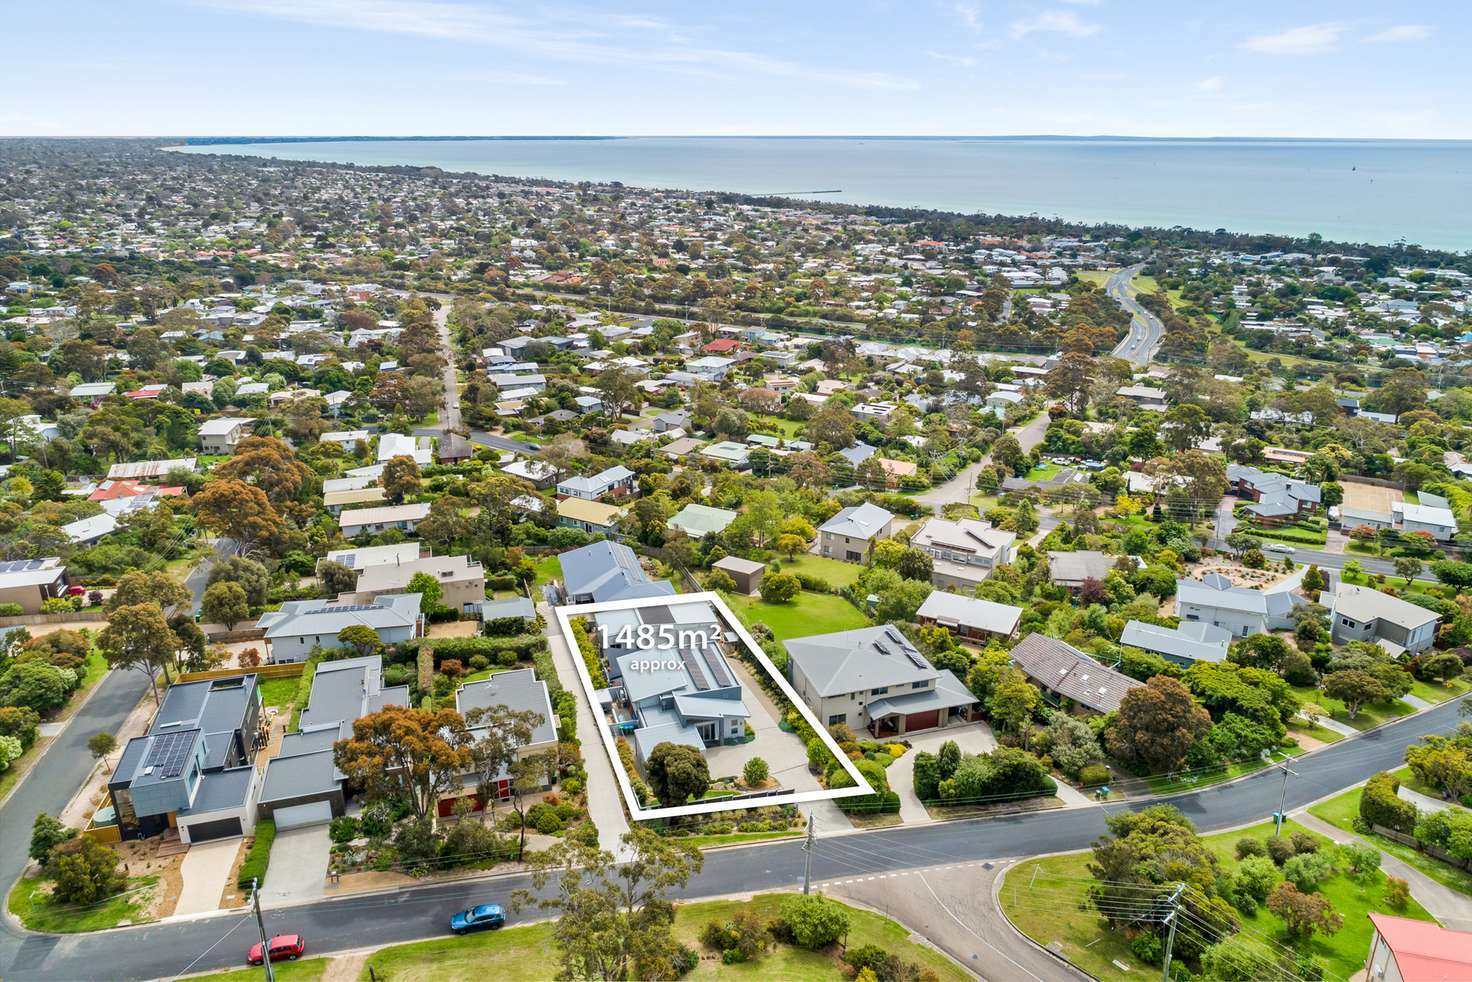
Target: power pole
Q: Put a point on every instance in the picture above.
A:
(255, 903)
(1171, 918)
(807, 862)
(1282, 803)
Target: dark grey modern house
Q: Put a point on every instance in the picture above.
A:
(193, 769)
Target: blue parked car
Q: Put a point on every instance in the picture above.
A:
(478, 918)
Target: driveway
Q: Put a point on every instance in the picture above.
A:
(298, 867)
(972, 738)
(205, 870)
(785, 754)
(605, 800)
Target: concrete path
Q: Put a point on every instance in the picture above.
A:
(1416, 702)
(204, 870)
(1343, 729)
(605, 799)
(952, 908)
(1451, 907)
(1072, 797)
(298, 868)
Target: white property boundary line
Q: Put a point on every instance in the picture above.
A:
(564, 615)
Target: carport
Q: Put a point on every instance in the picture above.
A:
(303, 816)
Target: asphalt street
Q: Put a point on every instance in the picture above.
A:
(1146, 330)
(167, 949)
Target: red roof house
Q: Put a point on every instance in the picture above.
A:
(113, 490)
(722, 346)
(1404, 950)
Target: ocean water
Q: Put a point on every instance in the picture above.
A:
(1349, 190)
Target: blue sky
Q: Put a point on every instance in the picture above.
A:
(393, 67)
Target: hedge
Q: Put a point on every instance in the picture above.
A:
(259, 857)
(1380, 805)
(523, 646)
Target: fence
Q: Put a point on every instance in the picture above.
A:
(1378, 482)
(283, 670)
(22, 620)
(1435, 852)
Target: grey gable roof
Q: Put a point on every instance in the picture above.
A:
(1069, 672)
(864, 658)
(608, 571)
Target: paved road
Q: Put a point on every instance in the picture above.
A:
(404, 915)
(1146, 330)
(450, 412)
(199, 576)
(52, 782)
(962, 483)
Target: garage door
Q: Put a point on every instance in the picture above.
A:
(218, 829)
(300, 816)
(922, 721)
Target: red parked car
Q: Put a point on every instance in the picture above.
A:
(287, 946)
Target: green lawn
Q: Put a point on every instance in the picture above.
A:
(1042, 898)
(306, 970)
(1098, 277)
(38, 912)
(834, 572)
(1043, 472)
(1436, 692)
(528, 953)
(1341, 811)
(1168, 785)
(1320, 733)
(810, 613)
(787, 429)
(1369, 716)
(484, 673)
(548, 568)
(279, 692)
(732, 838)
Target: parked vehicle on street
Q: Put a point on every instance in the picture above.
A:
(478, 918)
(288, 947)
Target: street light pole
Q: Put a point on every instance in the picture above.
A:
(255, 903)
(1279, 817)
(807, 862)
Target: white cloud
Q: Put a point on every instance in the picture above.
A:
(1309, 39)
(1054, 22)
(1213, 83)
(965, 61)
(968, 13)
(584, 39)
(1401, 32)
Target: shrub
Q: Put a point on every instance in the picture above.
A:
(21, 722)
(85, 871)
(1147, 948)
(1093, 775)
(755, 772)
(46, 834)
(11, 610)
(452, 667)
(1303, 842)
(1281, 850)
(1256, 876)
(479, 663)
(344, 828)
(684, 960)
(259, 857)
(1307, 870)
(1250, 847)
(1397, 893)
(1359, 858)
(1379, 804)
(813, 921)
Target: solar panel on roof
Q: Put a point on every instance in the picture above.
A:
(916, 658)
(169, 752)
(693, 667)
(881, 647)
(717, 669)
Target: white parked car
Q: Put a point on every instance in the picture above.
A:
(1279, 547)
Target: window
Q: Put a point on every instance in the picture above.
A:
(837, 718)
(879, 691)
(1346, 622)
(919, 685)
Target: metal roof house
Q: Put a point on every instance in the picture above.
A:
(301, 784)
(1193, 641)
(517, 690)
(1065, 673)
(850, 534)
(969, 617)
(31, 582)
(698, 521)
(604, 571)
(192, 770)
(1361, 613)
(677, 694)
(963, 552)
(301, 625)
(874, 678)
(1243, 612)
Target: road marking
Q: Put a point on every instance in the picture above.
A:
(967, 928)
